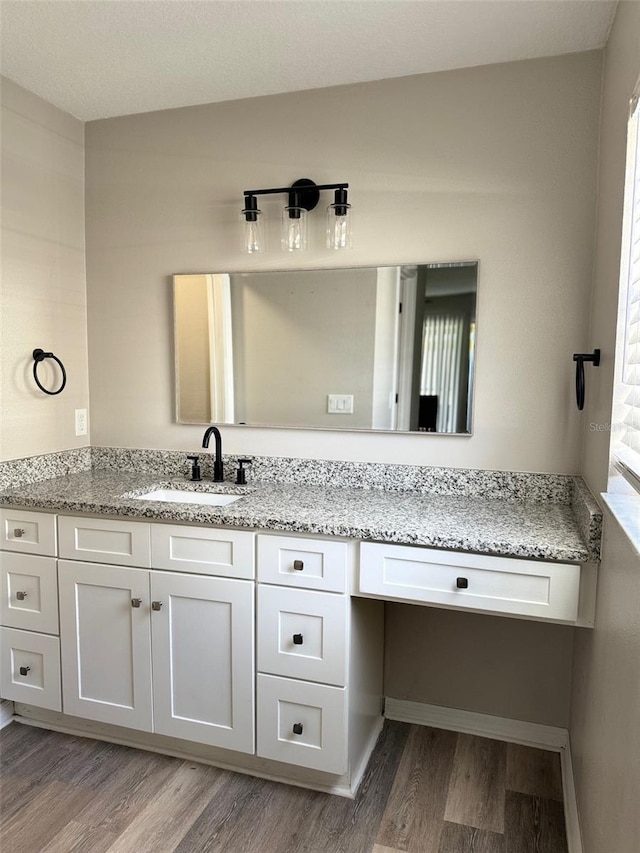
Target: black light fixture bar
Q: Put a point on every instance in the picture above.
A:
(318, 187)
(303, 193)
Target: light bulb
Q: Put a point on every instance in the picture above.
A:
(253, 233)
(339, 222)
(294, 229)
(253, 237)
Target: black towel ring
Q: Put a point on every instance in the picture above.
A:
(40, 355)
(580, 359)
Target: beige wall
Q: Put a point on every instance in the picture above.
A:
(605, 702)
(489, 664)
(622, 68)
(496, 163)
(43, 300)
(297, 341)
(605, 705)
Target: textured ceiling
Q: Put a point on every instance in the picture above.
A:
(101, 58)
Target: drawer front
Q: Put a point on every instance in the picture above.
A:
(101, 540)
(203, 550)
(29, 592)
(305, 563)
(546, 591)
(30, 668)
(302, 723)
(28, 532)
(302, 634)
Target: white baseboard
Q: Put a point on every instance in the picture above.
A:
(483, 725)
(571, 816)
(6, 712)
(536, 735)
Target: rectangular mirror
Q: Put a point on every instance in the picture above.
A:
(367, 348)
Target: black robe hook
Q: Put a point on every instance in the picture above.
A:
(580, 359)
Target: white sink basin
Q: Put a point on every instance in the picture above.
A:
(185, 497)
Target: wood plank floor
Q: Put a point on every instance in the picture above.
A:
(425, 791)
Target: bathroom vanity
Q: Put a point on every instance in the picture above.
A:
(251, 635)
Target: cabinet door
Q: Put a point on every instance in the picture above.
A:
(203, 660)
(106, 644)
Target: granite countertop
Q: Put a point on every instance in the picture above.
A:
(535, 529)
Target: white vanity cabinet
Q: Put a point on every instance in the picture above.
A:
(157, 651)
(29, 642)
(161, 629)
(319, 656)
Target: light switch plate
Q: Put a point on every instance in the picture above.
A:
(340, 404)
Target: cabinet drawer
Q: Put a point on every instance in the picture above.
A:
(478, 582)
(308, 563)
(30, 668)
(203, 550)
(302, 723)
(302, 634)
(100, 540)
(29, 592)
(28, 532)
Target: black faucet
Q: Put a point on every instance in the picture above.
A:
(218, 471)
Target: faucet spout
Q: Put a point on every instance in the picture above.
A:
(218, 471)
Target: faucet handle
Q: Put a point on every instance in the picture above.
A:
(241, 474)
(196, 473)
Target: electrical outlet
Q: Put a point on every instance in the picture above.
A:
(81, 421)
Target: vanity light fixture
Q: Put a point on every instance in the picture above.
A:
(303, 195)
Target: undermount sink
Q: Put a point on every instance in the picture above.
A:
(187, 497)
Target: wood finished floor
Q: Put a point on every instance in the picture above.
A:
(425, 791)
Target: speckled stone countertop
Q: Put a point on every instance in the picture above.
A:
(537, 529)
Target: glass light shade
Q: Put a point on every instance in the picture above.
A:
(253, 231)
(339, 220)
(294, 229)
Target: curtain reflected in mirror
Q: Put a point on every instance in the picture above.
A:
(371, 348)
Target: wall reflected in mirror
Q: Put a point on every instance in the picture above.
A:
(367, 348)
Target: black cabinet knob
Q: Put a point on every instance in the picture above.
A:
(297, 639)
(462, 583)
(297, 728)
(24, 670)
(298, 565)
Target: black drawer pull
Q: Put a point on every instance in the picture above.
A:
(297, 639)
(298, 565)
(462, 583)
(297, 728)
(24, 670)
